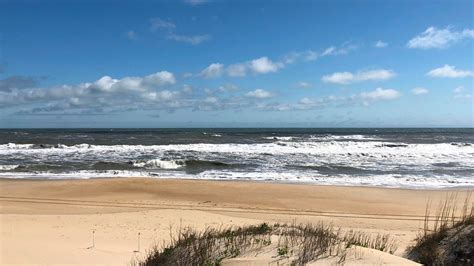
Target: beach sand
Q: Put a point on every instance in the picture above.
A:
(52, 222)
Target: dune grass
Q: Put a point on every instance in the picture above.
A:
(439, 243)
(300, 243)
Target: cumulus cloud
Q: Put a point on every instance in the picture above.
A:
(153, 92)
(213, 71)
(433, 37)
(380, 44)
(380, 94)
(105, 92)
(419, 91)
(448, 71)
(158, 91)
(259, 94)
(348, 77)
(264, 65)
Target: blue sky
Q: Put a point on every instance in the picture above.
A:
(236, 63)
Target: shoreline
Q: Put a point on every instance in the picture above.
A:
(66, 211)
(307, 183)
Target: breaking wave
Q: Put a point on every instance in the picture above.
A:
(319, 159)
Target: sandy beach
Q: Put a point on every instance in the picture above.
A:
(51, 222)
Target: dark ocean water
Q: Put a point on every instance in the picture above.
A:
(378, 157)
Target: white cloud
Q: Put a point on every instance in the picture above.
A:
(310, 55)
(194, 40)
(187, 89)
(306, 101)
(105, 92)
(379, 74)
(187, 75)
(332, 50)
(380, 94)
(439, 38)
(305, 56)
(158, 23)
(448, 71)
(164, 95)
(159, 79)
(339, 77)
(329, 51)
(461, 94)
(158, 92)
(170, 27)
(108, 84)
(348, 77)
(419, 91)
(264, 65)
(459, 89)
(364, 98)
(211, 99)
(304, 84)
(259, 93)
(228, 88)
(237, 70)
(380, 44)
(213, 71)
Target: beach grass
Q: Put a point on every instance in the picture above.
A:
(300, 243)
(447, 236)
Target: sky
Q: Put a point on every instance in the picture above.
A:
(204, 63)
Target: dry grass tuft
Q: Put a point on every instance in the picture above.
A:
(443, 235)
(301, 243)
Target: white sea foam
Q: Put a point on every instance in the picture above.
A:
(82, 174)
(159, 164)
(7, 167)
(396, 181)
(328, 147)
(345, 137)
(350, 152)
(279, 138)
(275, 161)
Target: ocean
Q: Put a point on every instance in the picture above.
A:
(412, 158)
